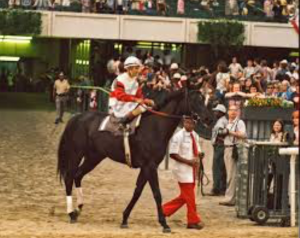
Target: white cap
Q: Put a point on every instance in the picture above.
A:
(220, 108)
(294, 64)
(177, 76)
(183, 78)
(131, 61)
(284, 61)
(174, 66)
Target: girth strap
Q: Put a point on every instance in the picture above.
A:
(127, 147)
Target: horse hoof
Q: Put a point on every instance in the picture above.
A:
(73, 221)
(167, 230)
(73, 216)
(124, 226)
(80, 207)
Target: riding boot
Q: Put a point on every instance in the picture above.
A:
(130, 116)
(127, 119)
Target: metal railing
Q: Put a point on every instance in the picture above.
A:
(262, 183)
(293, 152)
(88, 98)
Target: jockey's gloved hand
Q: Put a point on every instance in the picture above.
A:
(149, 102)
(139, 101)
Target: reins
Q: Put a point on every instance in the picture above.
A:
(167, 115)
(162, 114)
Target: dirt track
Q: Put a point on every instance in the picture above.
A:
(32, 201)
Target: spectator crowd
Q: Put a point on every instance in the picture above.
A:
(278, 10)
(232, 84)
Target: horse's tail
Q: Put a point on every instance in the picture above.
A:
(62, 164)
(65, 149)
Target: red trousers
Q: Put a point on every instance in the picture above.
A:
(187, 196)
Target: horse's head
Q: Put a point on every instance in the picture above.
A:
(188, 101)
(194, 104)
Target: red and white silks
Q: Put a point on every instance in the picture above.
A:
(123, 97)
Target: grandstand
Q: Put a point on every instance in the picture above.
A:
(68, 37)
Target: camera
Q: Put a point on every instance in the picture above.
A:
(223, 131)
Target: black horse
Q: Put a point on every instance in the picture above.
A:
(81, 139)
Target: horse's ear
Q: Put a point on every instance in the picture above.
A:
(193, 87)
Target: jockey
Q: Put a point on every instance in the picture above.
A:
(126, 98)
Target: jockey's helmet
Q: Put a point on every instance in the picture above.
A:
(131, 61)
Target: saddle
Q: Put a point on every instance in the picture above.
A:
(112, 124)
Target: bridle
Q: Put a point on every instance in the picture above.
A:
(188, 112)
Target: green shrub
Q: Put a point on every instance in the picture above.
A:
(221, 34)
(19, 22)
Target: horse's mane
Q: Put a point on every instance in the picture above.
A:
(167, 97)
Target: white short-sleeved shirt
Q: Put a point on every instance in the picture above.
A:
(182, 144)
(235, 68)
(234, 126)
(221, 79)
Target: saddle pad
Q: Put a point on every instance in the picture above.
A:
(111, 124)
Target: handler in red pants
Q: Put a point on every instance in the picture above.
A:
(184, 149)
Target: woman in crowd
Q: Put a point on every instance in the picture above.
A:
(222, 80)
(254, 92)
(278, 135)
(266, 71)
(296, 127)
(235, 91)
(276, 89)
(248, 84)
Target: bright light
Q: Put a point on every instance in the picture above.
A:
(16, 39)
(83, 62)
(9, 58)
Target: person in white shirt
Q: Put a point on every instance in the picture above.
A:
(235, 68)
(222, 80)
(249, 70)
(185, 150)
(236, 133)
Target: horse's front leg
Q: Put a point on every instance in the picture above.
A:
(152, 176)
(140, 184)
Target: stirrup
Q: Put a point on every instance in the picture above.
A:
(124, 124)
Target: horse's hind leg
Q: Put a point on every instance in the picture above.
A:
(90, 162)
(69, 178)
